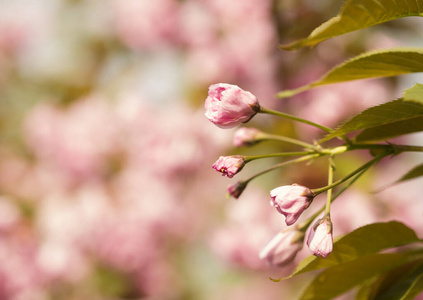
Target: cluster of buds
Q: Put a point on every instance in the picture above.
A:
(228, 106)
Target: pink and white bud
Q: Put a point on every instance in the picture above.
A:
(245, 137)
(291, 201)
(229, 165)
(282, 248)
(228, 105)
(235, 190)
(320, 239)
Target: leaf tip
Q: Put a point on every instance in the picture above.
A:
(275, 280)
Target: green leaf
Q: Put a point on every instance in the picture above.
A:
(391, 130)
(360, 14)
(400, 283)
(413, 173)
(337, 280)
(400, 127)
(379, 63)
(363, 241)
(415, 290)
(399, 116)
(415, 93)
(417, 171)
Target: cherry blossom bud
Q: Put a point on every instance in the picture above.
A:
(235, 190)
(229, 165)
(320, 239)
(291, 201)
(282, 249)
(245, 137)
(228, 105)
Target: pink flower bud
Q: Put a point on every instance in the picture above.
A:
(229, 165)
(320, 239)
(282, 249)
(235, 190)
(228, 106)
(291, 201)
(245, 137)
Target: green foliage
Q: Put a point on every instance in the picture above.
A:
(360, 14)
(339, 279)
(366, 240)
(379, 63)
(356, 259)
(403, 282)
(387, 120)
(359, 259)
(414, 93)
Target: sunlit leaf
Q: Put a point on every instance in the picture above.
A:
(399, 116)
(391, 130)
(337, 280)
(360, 14)
(415, 93)
(363, 241)
(379, 63)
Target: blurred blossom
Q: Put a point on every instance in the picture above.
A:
(354, 209)
(399, 201)
(147, 24)
(19, 274)
(76, 141)
(248, 227)
(21, 23)
(245, 136)
(217, 57)
(329, 105)
(282, 248)
(117, 169)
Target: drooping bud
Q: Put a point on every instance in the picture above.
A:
(235, 190)
(228, 105)
(229, 165)
(291, 201)
(245, 137)
(320, 239)
(283, 247)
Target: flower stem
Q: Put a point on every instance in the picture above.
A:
(363, 167)
(305, 224)
(275, 137)
(407, 148)
(282, 154)
(285, 163)
(330, 181)
(294, 118)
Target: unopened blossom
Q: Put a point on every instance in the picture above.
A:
(235, 190)
(291, 201)
(245, 136)
(282, 248)
(229, 165)
(228, 105)
(320, 239)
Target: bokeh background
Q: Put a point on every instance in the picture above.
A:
(106, 185)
